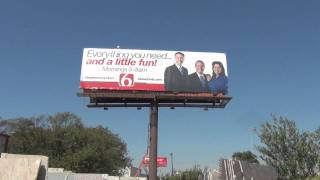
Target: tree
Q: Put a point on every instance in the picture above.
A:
(68, 144)
(294, 154)
(194, 173)
(245, 156)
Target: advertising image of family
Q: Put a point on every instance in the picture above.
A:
(178, 78)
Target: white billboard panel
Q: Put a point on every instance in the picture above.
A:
(154, 70)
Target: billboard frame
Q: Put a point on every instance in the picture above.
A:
(114, 98)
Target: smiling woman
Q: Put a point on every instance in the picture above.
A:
(219, 80)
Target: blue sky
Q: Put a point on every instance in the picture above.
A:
(273, 59)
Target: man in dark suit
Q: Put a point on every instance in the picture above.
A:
(197, 81)
(176, 76)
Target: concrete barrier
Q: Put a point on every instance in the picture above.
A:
(19, 169)
(83, 176)
(43, 160)
(55, 170)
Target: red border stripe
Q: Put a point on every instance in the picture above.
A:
(115, 86)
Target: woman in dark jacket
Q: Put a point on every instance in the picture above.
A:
(219, 81)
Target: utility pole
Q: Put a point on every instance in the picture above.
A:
(171, 154)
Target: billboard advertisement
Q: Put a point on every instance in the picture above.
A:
(161, 161)
(154, 70)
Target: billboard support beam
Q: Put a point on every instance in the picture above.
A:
(153, 140)
(109, 98)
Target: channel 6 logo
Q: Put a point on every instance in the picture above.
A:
(126, 80)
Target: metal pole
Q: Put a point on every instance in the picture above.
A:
(153, 140)
(171, 154)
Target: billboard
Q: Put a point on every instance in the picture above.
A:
(161, 161)
(154, 70)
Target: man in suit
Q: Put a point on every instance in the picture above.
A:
(197, 81)
(176, 76)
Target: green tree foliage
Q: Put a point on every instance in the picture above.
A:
(313, 178)
(294, 154)
(245, 156)
(194, 173)
(68, 144)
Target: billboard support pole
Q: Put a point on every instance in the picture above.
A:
(153, 140)
(109, 98)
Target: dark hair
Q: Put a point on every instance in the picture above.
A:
(222, 69)
(179, 53)
(200, 62)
